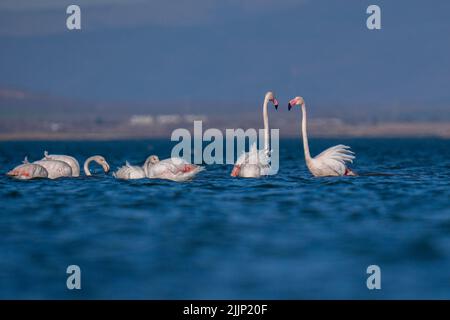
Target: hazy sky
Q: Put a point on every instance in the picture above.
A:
(167, 50)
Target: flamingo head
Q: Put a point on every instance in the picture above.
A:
(102, 161)
(22, 172)
(153, 159)
(28, 171)
(13, 173)
(270, 96)
(297, 101)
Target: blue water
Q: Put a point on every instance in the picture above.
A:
(287, 236)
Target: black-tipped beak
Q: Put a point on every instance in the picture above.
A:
(289, 107)
(276, 107)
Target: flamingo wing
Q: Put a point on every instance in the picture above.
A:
(176, 169)
(334, 159)
(71, 161)
(260, 158)
(254, 163)
(243, 158)
(55, 168)
(129, 172)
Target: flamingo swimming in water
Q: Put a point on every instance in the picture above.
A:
(55, 168)
(254, 163)
(99, 160)
(71, 161)
(74, 165)
(175, 169)
(129, 172)
(28, 171)
(332, 161)
(52, 169)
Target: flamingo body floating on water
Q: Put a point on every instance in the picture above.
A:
(28, 171)
(129, 172)
(331, 162)
(55, 168)
(71, 161)
(75, 166)
(254, 163)
(175, 169)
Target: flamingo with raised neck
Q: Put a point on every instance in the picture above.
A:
(254, 163)
(332, 161)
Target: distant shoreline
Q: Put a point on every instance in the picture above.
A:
(384, 130)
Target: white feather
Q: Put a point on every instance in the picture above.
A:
(332, 161)
(254, 163)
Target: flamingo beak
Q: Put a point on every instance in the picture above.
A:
(292, 103)
(12, 173)
(106, 167)
(275, 103)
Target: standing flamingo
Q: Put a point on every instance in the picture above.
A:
(332, 161)
(254, 163)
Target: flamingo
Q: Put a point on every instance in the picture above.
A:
(129, 172)
(98, 159)
(175, 169)
(254, 163)
(71, 161)
(55, 168)
(27, 171)
(332, 161)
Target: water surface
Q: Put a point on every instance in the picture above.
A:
(287, 236)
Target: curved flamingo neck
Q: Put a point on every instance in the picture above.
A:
(86, 166)
(266, 126)
(305, 135)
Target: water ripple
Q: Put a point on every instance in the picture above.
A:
(216, 237)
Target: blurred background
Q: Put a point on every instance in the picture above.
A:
(139, 69)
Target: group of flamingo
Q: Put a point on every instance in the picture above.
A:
(256, 163)
(253, 164)
(54, 166)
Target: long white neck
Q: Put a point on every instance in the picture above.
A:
(86, 166)
(305, 135)
(266, 126)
